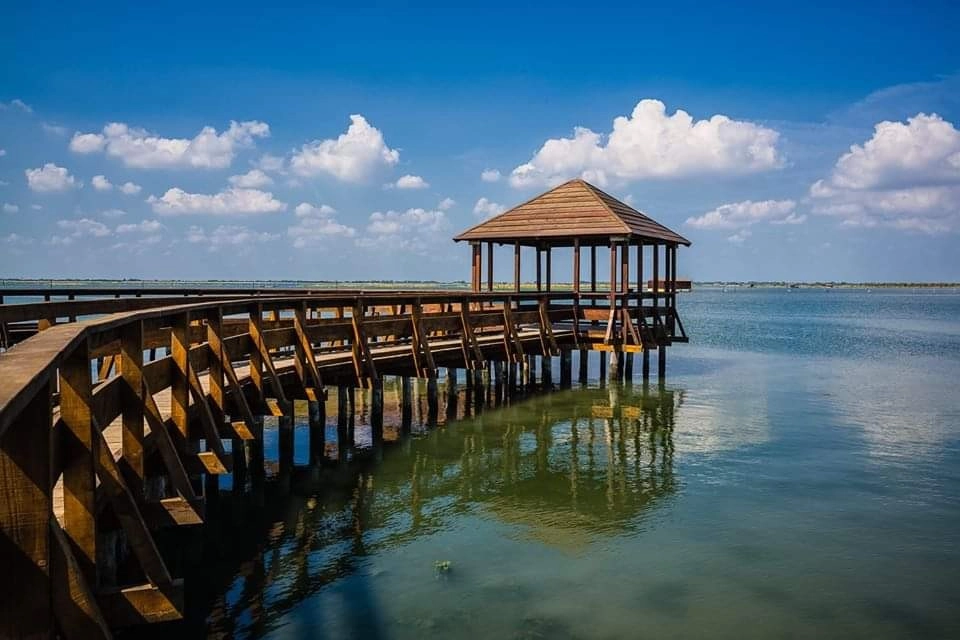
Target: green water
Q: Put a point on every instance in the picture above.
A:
(797, 476)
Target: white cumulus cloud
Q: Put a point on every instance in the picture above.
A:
(490, 175)
(907, 176)
(253, 179)
(446, 204)
(130, 188)
(232, 201)
(737, 215)
(10, 208)
(353, 157)
(649, 143)
(137, 147)
(411, 182)
(316, 225)
(145, 227)
(100, 183)
(49, 177)
(486, 209)
(16, 104)
(234, 236)
(83, 227)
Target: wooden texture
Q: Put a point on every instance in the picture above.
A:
(574, 209)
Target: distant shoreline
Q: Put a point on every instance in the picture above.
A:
(14, 283)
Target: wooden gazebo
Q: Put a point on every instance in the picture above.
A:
(577, 214)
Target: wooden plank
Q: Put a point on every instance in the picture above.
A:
(25, 512)
(79, 454)
(180, 383)
(255, 331)
(211, 430)
(142, 604)
(131, 371)
(168, 449)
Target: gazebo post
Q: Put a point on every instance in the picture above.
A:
(549, 260)
(612, 327)
(576, 267)
(516, 266)
(539, 277)
(490, 266)
(477, 258)
(673, 287)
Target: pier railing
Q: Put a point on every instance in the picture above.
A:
(107, 422)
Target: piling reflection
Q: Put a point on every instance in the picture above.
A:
(562, 469)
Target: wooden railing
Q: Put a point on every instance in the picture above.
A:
(123, 412)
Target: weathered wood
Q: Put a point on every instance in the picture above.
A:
(142, 604)
(25, 513)
(131, 371)
(79, 453)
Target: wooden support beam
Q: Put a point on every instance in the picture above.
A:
(471, 348)
(25, 514)
(305, 348)
(180, 384)
(516, 266)
(539, 266)
(548, 342)
(422, 354)
(79, 453)
(549, 267)
(211, 430)
(142, 604)
(125, 507)
(160, 433)
(131, 370)
(593, 268)
(366, 369)
(490, 267)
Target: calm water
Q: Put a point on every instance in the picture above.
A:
(798, 476)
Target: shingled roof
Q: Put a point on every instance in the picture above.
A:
(575, 209)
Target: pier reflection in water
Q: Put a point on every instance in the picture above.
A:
(558, 471)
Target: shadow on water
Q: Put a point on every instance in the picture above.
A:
(563, 468)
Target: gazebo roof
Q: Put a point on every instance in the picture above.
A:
(572, 210)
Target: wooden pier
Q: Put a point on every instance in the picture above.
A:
(115, 409)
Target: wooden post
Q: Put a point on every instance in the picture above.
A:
(180, 382)
(646, 363)
(539, 265)
(576, 266)
(549, 267)
(131, 370)
(673, 287)
(490, 266)
(614, 365)
(376, 410)
(628, 366)
(593, 268)
(546, 372)
(433, 407)
(477, 259)
(625, 268)
(25, 516)
(603, 367)
(662, 364)
(516, 266)
(406, 404)
(584, 362)
(79, 455)
(566, 368)
(255, 330)
(316, 415)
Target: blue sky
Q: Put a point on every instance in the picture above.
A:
(798, 143)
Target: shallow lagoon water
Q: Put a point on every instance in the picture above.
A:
(797, 476)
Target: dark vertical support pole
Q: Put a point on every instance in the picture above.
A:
(628, 367)
(376, 412)
(131, 369)
(516, 266)
(603, 367)
(615, 337)
(25, 513)
(285, 448)
(576, 289)
(406, 404)
(584, 363)
(546, 372)
(646, 364)
(316, 415)
(549, 260)
(79, 477)
(217, 403)
(433, 407)
(539, 267)
(498, 381)
(490, 266)
(257, 470)
(593, 268)
(479, 389)
(656, 277)
(511, 378)
(673, 286)
(343, 411)
(662, 364)
(566, 368)
(477, 258)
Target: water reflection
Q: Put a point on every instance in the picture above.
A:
(560, 469)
